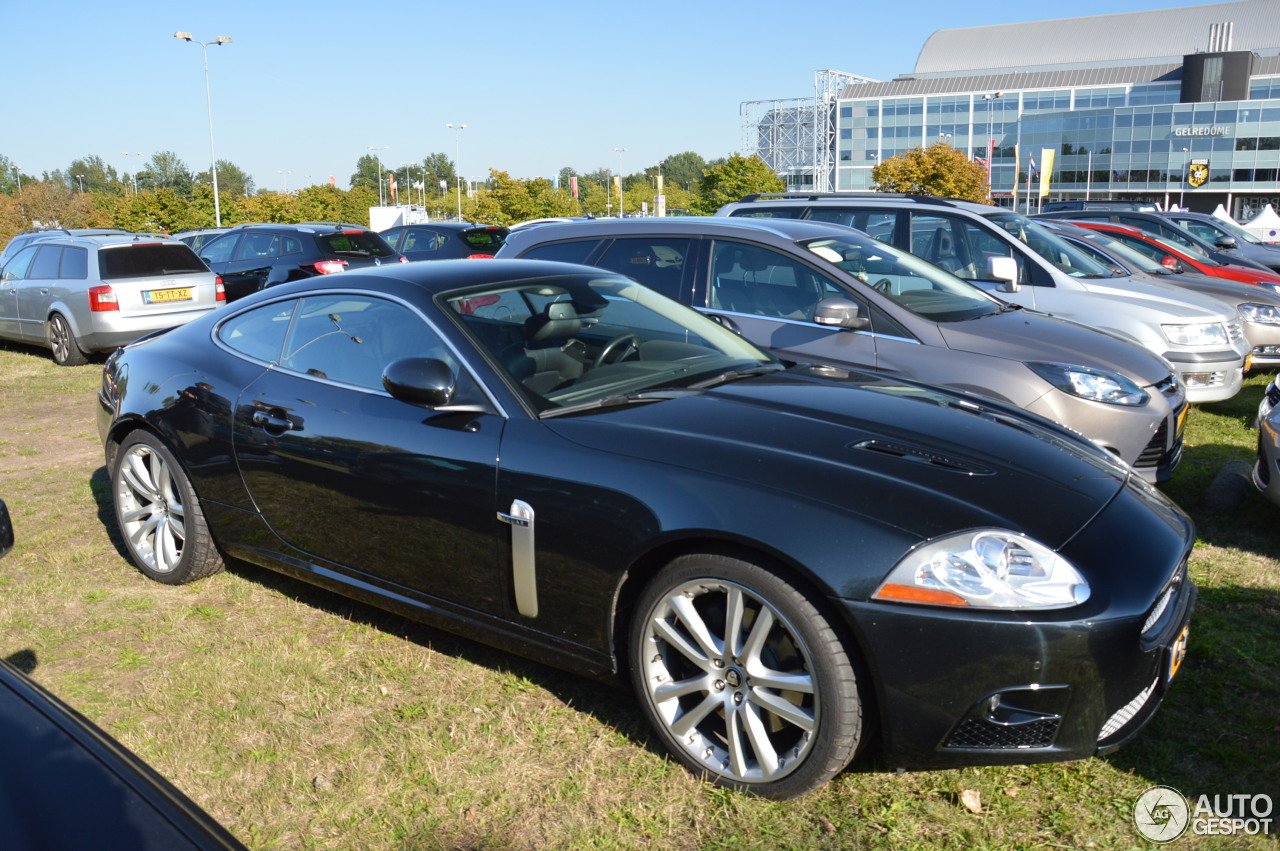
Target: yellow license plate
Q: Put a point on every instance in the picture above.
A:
(1178, 652)
(1182, 417)
(1248, 362)
(154, 296)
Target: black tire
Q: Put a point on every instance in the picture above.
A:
(62, 342)
(697, 689)
(159, 515)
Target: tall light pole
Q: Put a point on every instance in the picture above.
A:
(1182, 184)
(377, 159)
(620, 152)
(208, 96)
(286, 179)
(457, 135)
(80, 179)
(17, 172)
(135, 171)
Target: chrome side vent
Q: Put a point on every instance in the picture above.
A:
(922, 456)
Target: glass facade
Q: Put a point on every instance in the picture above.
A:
(1130, 141)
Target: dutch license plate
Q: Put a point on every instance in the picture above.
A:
(155, 296)
(1182, 417)
(1248, 362)
(1178, 652)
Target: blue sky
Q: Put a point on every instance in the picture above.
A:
(308, 88)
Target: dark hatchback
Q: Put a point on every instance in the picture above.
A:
(788, 563)
(249, 258)
(447, 240)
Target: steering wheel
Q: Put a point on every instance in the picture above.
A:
(884, 285)
(621, 346)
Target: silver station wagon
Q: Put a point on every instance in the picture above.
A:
(84, 294)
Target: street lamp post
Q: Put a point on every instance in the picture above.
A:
(80, 180)
(457, 135)
(17, 172)
(135, 171)
(620, 152)
(208, 95)
(286, 179)
(377, 164)
(1182, 184)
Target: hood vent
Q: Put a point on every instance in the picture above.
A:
(922, 456)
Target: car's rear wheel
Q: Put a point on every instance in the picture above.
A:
(62, 342)
(743, 677)
(160, 517)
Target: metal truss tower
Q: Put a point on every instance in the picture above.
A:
(796, 137)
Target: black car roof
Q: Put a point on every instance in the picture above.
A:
(441, 276)
(789, 229)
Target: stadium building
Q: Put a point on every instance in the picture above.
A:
(1174, 106)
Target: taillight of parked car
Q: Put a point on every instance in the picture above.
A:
(404, 259)
(219, 289)
(325, 267)
(102, 298)
(479, 256)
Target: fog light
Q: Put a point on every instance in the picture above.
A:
(1197, 379)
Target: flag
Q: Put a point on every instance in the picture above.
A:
(573, 185)
(444, 186)
(391, 185)
(1031, 165)
(333, 181)
(1046, 159)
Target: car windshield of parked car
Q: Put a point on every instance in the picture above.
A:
(1105, 245)
(1205, 230)
(356, 242)
(1048, 245)
(147, 260)
(574, 342)
(920, 287)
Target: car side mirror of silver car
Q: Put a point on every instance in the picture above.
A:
(1004, 270)
(840, 313)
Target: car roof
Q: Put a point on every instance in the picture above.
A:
(787, 229)
(458, 226)
(838, 199)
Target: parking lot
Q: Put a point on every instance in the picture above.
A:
(301, 719)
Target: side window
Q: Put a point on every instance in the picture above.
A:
(257, 246)
(352, 337)
(874, 223)
(259, 333)
(419, 240)
(761, 282)
(962, 247)
(1205, 231)
(219, 250)
(16, 269)
(75, 264)
(291, 246)
(565, 252)
(45, 266)
(656, 262)
(754, 212)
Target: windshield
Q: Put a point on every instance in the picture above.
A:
(1049, 245)
(920, 287)
(1127, 255)
(1231, 227)
(357, 243)
(574, 341)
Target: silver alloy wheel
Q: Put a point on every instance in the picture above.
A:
(151, 512)
(731, 680)
(63, 343)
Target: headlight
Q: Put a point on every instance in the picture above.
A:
(985, 569)
(1197, 334)
(1264, 313)
(1088, 383)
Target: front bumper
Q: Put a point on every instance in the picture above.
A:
(1211, 376)
(1266, 470)
(959, 687)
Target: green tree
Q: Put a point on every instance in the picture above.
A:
(683, 170)
(938, 170)
(729, 181)
(507, 200)
(232, 180)
(439, 167)
(366, 174)
(166, 171)
(92, 174)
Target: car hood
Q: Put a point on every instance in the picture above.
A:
(1023, 335)
(919, 459)
(1176, 301)
(1233, 292)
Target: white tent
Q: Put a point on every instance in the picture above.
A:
(1221, 213)
(1265, 226)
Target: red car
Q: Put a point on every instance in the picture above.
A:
(1175, 256)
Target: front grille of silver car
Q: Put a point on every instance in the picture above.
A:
(1235, 330)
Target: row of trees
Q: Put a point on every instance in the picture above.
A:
(165, 196)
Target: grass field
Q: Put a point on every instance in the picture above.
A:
(301, 720)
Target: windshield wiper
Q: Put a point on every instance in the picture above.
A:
(735, 374)
(614, 401)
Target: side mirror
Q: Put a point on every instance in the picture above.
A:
(6, 530)
(1227, 243)
(1005, 270)
(1173, 264)
(840, 312)
(1116, 270)
(420, 381)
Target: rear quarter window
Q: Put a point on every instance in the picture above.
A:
(148, 260)
(75, 263)
(359, 243)
(565, 252)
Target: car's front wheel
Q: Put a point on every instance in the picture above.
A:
(159, 515)
(743, 677)
(62, 342)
